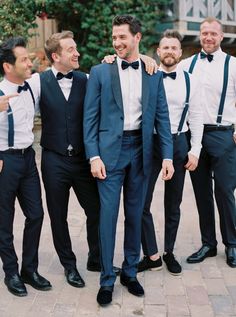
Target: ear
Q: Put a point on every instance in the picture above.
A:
(138, 36)
(158, 51)
(7, 67)
(55, 57)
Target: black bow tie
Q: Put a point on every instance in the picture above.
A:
(171, 75)
(208, 56)
(24, 87)
(134, 65)
(60, 75)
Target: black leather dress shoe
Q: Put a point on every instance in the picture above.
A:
(231, 256)
(15, 285)
(36, 280)
(204, 252)
(133, 285)
(73, 278)
(104, 296)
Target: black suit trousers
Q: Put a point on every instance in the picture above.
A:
(217, 166)
(60, 174)
(19, 179)
(172, 199)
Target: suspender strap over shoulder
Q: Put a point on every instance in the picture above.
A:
(186, 104)
(223, 94)
(10, 124)
(193, 63)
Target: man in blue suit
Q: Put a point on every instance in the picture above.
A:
(123, 104)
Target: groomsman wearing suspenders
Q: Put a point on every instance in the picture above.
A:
(217, 162)
(183, 104)
(18, 172)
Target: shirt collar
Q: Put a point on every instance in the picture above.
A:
(119, 61)
(55, 71)
(215, 54)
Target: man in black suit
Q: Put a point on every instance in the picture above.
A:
(64, 166)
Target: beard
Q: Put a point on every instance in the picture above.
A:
(169, 60)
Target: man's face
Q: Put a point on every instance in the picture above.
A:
(67, 59)
(169, 51)
(21, 70)
(125, 43)
(211, 36)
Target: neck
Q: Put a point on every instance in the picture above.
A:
(61, 69)
(168, 69)
(14, 80)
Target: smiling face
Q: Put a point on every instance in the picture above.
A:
(21, 69)
(125, 43)
(67, 58)
(211, 36)
(169, 52)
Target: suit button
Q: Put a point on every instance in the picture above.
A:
(69, 118)
(121, 118)
(119, 136)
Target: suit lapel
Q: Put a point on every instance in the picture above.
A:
(115, 83)
(145, 88)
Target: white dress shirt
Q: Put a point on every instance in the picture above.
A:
(23, 115)
(210, 76)
(131, 89)
(176, 95)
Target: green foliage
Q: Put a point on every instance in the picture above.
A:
(16, 18)
(91, 23)
(90, 20)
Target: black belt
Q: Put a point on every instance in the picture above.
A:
(67, 153)
(214, 127)
(17, 151)
(132, 132)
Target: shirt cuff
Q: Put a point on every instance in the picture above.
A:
(94, 158)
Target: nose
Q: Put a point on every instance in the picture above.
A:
(30, 64)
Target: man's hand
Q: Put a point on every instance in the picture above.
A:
(109, 59)
(167, 170)
(4, 100)
(150, 64)
(1, 165)
(192, 163)
(234, 137)
(98, 169)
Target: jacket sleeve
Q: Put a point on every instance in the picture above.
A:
(162, 123)
(92, 114)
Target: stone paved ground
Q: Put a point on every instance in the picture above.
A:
(204, 290)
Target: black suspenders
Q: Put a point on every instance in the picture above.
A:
(11, 119)
(225, 84)
(186, 103)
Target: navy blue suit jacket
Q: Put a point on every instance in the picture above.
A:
(104, 116)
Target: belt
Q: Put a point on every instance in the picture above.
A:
(17, 151)
(214, 127)
(132, 132)
(67, 153)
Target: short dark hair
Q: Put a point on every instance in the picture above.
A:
(171, 34)
(52, 45)
(6, 51)
(134, 24)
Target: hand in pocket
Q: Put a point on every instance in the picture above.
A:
(1, 165)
